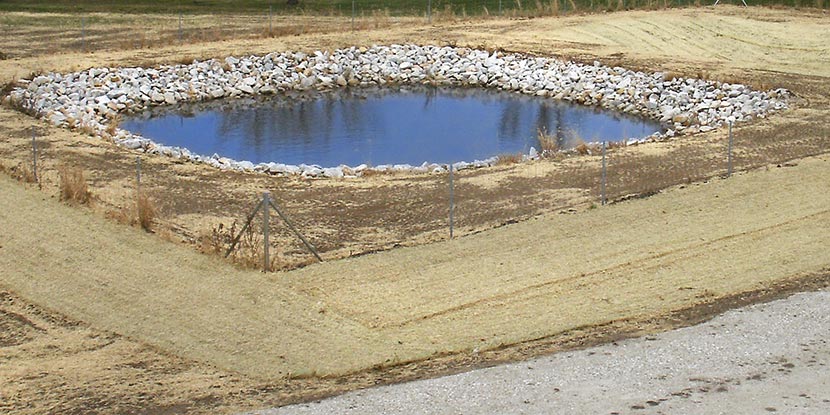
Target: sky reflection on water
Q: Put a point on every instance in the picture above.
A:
(381, 126)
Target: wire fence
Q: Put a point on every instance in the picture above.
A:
(324, 219)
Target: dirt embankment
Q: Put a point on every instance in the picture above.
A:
(627, 263)
(147, 311)
(344, 217)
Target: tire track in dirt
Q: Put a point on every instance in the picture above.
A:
(642, 265)
(579, 253)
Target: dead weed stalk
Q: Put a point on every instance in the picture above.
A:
(73, 187)
(508, 159)
(23, 172)
(548, 144)
(142, 213)
(249, 251)
(146, 211)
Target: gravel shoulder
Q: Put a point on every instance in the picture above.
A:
(764, 358)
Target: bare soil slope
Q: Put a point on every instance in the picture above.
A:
(553, 281)
(343, 217)
(522, 282)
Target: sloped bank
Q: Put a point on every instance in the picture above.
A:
(91, 100)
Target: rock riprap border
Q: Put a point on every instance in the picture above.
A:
(92, 100)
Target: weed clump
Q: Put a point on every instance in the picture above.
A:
(143, 213)
(509, 158)
(7, 88)
(548, 144)
(249, 250)
(147, 211)
(112, 125)
(23, 172)
(582, 149)
(73, 187)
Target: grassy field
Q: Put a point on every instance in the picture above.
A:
(642, 260)
(344, 218)
(393, 7)
(105, 318)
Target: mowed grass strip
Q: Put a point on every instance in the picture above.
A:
(126, 281)
(628, 261)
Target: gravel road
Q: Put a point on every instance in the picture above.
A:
(765, 358)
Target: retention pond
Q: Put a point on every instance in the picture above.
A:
(378, 126)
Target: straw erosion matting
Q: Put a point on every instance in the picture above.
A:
(635, 260)
(217, 317)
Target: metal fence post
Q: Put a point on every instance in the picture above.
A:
(34, 157)
(138, 174)
(353, 14)
(604, 173)
(729, 153)
(429, 11)
(266, 201)
(452, 202)
(83, 33)
(180, 27)
(499, 7)
(138, 187)
(270, 20)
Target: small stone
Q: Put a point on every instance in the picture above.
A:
(245, 89)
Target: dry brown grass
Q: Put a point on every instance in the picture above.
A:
(24, 173)
(7, 88)
(147, 211)
(86, 129)
(374, 173)
(617, 144)
(671, 75)
(112, 124)
(548, 144)
(73, 187)
(142, 213)
(509, 158)
(249, 251)
(185, 60)
(121, 216)
(582, 149)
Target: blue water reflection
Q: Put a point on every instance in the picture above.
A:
(381, 126)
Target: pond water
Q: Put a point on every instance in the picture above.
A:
(381, 126)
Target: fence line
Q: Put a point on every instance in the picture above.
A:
(452, 200)
(34, 158)
(682, 164)
(604, 174)
(729, 153)
(83, 33)
(266, 204)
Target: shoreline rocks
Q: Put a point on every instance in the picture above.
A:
(92, 99)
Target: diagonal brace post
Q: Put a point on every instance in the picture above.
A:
(296, 232)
